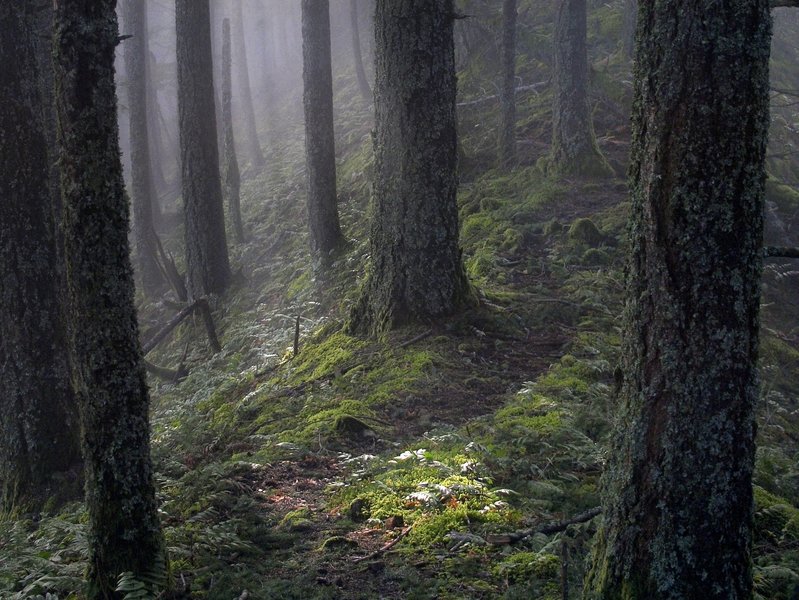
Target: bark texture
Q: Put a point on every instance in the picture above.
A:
(678, 490)
(416, 272)
(357, 53)
(206, 245)
(142, 189)
(38, 413)
(108, 373)
(507, 129)
(231, 178)
(244, 88)
(574, 148)
(320, 145)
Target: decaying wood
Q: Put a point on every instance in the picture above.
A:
(297, 336)
(547, 529)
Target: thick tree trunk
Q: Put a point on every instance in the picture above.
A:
(360, 72)
(416, 272)
(108, 373)
(244, 89)
(38, 413)
(206, 246)
(629, 23)
(320, 149)
(507, 129)
(231, 179)
(142, 191)
(678, 490)
(574, 148)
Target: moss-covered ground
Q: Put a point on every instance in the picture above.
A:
(290, 476)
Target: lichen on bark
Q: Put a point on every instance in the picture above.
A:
(678, 489)
(416, 272)
(108, 372)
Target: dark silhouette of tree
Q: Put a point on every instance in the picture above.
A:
(38, 413)
(244, 89)
(574, 148)
(357, 53)
(507, 129)
(206, 245)
(416, 272)
(320, 149)
(108, 373)
(678, 490)
(231, 179)
(142, 191)
(629, 23)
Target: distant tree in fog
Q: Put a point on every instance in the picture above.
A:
(38, 412)
(416, 272)
(574, 148)
(244, 90)
(629, 23)
(231, 179)
(320, 149)
(206, 245)
(143, 193)
(507, 130)
(360, 72)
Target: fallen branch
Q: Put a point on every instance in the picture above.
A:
(166, 374)
(418, 338)
(548, 529)
(382, 550)
(200, 305)
(785, 3)
(169, 270)
(779, 252)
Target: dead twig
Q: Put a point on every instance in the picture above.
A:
(382, 550)
(418, 338)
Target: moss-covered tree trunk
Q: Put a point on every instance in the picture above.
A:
(206, 245)
(416, 272)
(38, 413)
(678, 489)
(231, 178)
(507, 129)
(320, 145)
(108, 373)
(574, 149)
(142, 190)
(357, 53)
(244, 88)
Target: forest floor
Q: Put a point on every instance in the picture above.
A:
(393, 468)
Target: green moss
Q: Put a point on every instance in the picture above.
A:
(523, 566)
(297, 520)
(583, 231)
(325, 356)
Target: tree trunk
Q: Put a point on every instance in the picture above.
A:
(38, 413)
(574, 148)
(320, 149)
(142, 189)
(251, 142)
(158, 151)
(629, 23)
(206, 246)
(231, 180)
(360, 72)
(678, 490)
(507, 130)
(108, 373)
(416, 272)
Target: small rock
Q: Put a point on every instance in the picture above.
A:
(395, 522)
